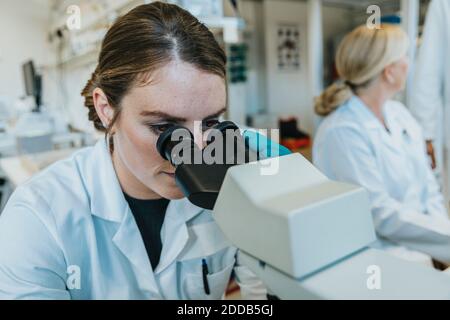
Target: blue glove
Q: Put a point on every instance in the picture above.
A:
(264, 147)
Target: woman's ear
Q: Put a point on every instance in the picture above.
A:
(103, 108)
(389, 74)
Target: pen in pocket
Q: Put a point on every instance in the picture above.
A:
(205, 272)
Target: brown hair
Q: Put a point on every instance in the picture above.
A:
(143, 40)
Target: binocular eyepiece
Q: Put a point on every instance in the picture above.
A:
(173, 137)
(175, 141)
(200, 172)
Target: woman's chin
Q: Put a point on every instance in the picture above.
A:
(173, 194)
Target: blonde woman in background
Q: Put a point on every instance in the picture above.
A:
(369, 140)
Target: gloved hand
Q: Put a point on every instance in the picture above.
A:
(264, 147)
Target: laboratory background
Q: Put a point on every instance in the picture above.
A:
(280, 56)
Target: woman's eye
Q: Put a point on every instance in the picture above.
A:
(160, 128)
(208, 124)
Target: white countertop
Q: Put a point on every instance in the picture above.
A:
(21, 168)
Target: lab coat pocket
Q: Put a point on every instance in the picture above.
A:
(194, 285)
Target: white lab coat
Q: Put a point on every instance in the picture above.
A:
(430, 102)
(69, 234)
(407, 207)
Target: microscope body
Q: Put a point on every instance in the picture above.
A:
(304, 236)
(308, 237)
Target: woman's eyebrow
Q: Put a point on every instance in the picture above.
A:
(217, 114)
(162, 115)
(165, 116)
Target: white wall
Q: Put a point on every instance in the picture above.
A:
(23, 36)
(68, 95)
(252, 12)
(287, 92)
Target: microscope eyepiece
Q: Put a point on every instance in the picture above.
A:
(171, 138)
(200, 180)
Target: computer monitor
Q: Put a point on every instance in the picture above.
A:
(33, 83)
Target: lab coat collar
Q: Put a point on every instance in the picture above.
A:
(393, 120)
(106, 196)
(366, 117)
(108, 202)
(363, 113)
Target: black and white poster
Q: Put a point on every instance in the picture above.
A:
(288, 47)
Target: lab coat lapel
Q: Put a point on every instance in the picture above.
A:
(363, 114)
(175, 232)
(106, 197)
(108, 202)
(129, 241)
(372, 124)
(398, 130)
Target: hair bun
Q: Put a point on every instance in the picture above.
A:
(334, 96)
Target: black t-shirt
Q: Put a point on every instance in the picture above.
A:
(149, 216)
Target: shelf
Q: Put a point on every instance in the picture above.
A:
(102, 18)
(81, 59)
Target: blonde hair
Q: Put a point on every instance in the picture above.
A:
(361, 57)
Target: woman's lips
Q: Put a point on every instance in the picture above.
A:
(172, 175)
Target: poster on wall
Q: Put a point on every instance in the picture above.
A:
(288, 47)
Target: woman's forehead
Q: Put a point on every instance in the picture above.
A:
(180, 90)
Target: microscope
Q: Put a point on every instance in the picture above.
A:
(303, 235)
